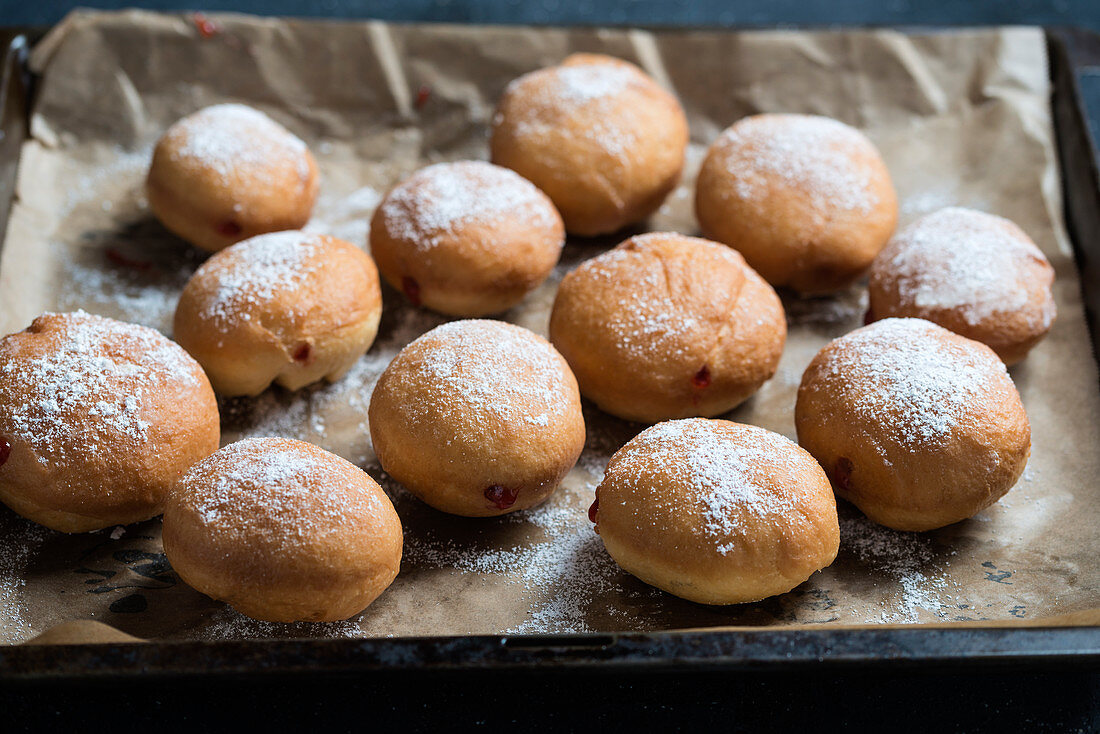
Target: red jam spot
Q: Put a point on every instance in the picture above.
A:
(117, 258)
(593, 510)
(5, 451)
(422, 95)
(301, 354)
(206, 27)
(412, 290)
(701, 378)
(868, 318)
(229, 229)
(501, 497)
(842, 473)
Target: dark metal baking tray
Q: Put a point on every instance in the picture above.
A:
(1071, 52)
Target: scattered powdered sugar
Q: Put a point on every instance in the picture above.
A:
(134, 297)
(815, 155)
(22, 539)
(227, 623)
(723, 463)
(963, 259)
(89, 384)
(906, 558)
(345, 217)
(478, 373)
(901, 376)
(230, 138)
(439, 199)
(253, 272)
(561, 565)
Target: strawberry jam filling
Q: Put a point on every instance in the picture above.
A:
(501, 497)
(411, 289)
(701, 378)
(5, 451)
(842, 473)
(229, 229)
(301, 354)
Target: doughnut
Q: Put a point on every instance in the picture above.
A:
(600, 137)
(98, 419)
(477, 418)
(227, 173)
(916, 426)
(282, 531)
(976, 274)
(806, 199)
(466, 238)
(667, 326)
(286, 307)
(716, 512)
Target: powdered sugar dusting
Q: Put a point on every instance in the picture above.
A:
(292, 489)
(811, 154)
(440, 199)
(900, 375)
(585, 83)
(976, 263)
(725, 468)
(253, 272)
(478, 373)
(91, 386)
(651, 319)
(227, 138)
(549, 95)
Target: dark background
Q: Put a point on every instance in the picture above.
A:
(992, 697)
(1084, 13)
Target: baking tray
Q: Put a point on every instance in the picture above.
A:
(1048, 647)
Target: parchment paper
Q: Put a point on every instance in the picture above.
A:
(961, 118)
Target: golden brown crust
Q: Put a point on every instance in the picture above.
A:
(285, 307)
(974, 273)
(667, 326)
(283, 531)
(227, 173)
(915, 425)
(807, 200)
(477, 418)
(466, 238)
(599, 136)
(717, 512)
(101, 417)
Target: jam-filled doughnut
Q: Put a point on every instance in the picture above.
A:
(477, 418)
(917, 426)
(598, 135)
(283, 531)
(466, 238)
(668, 326)
(716, 512)
(227, 173)
(806, 199)
(286, 307)
(974, 273)
(98, 419)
